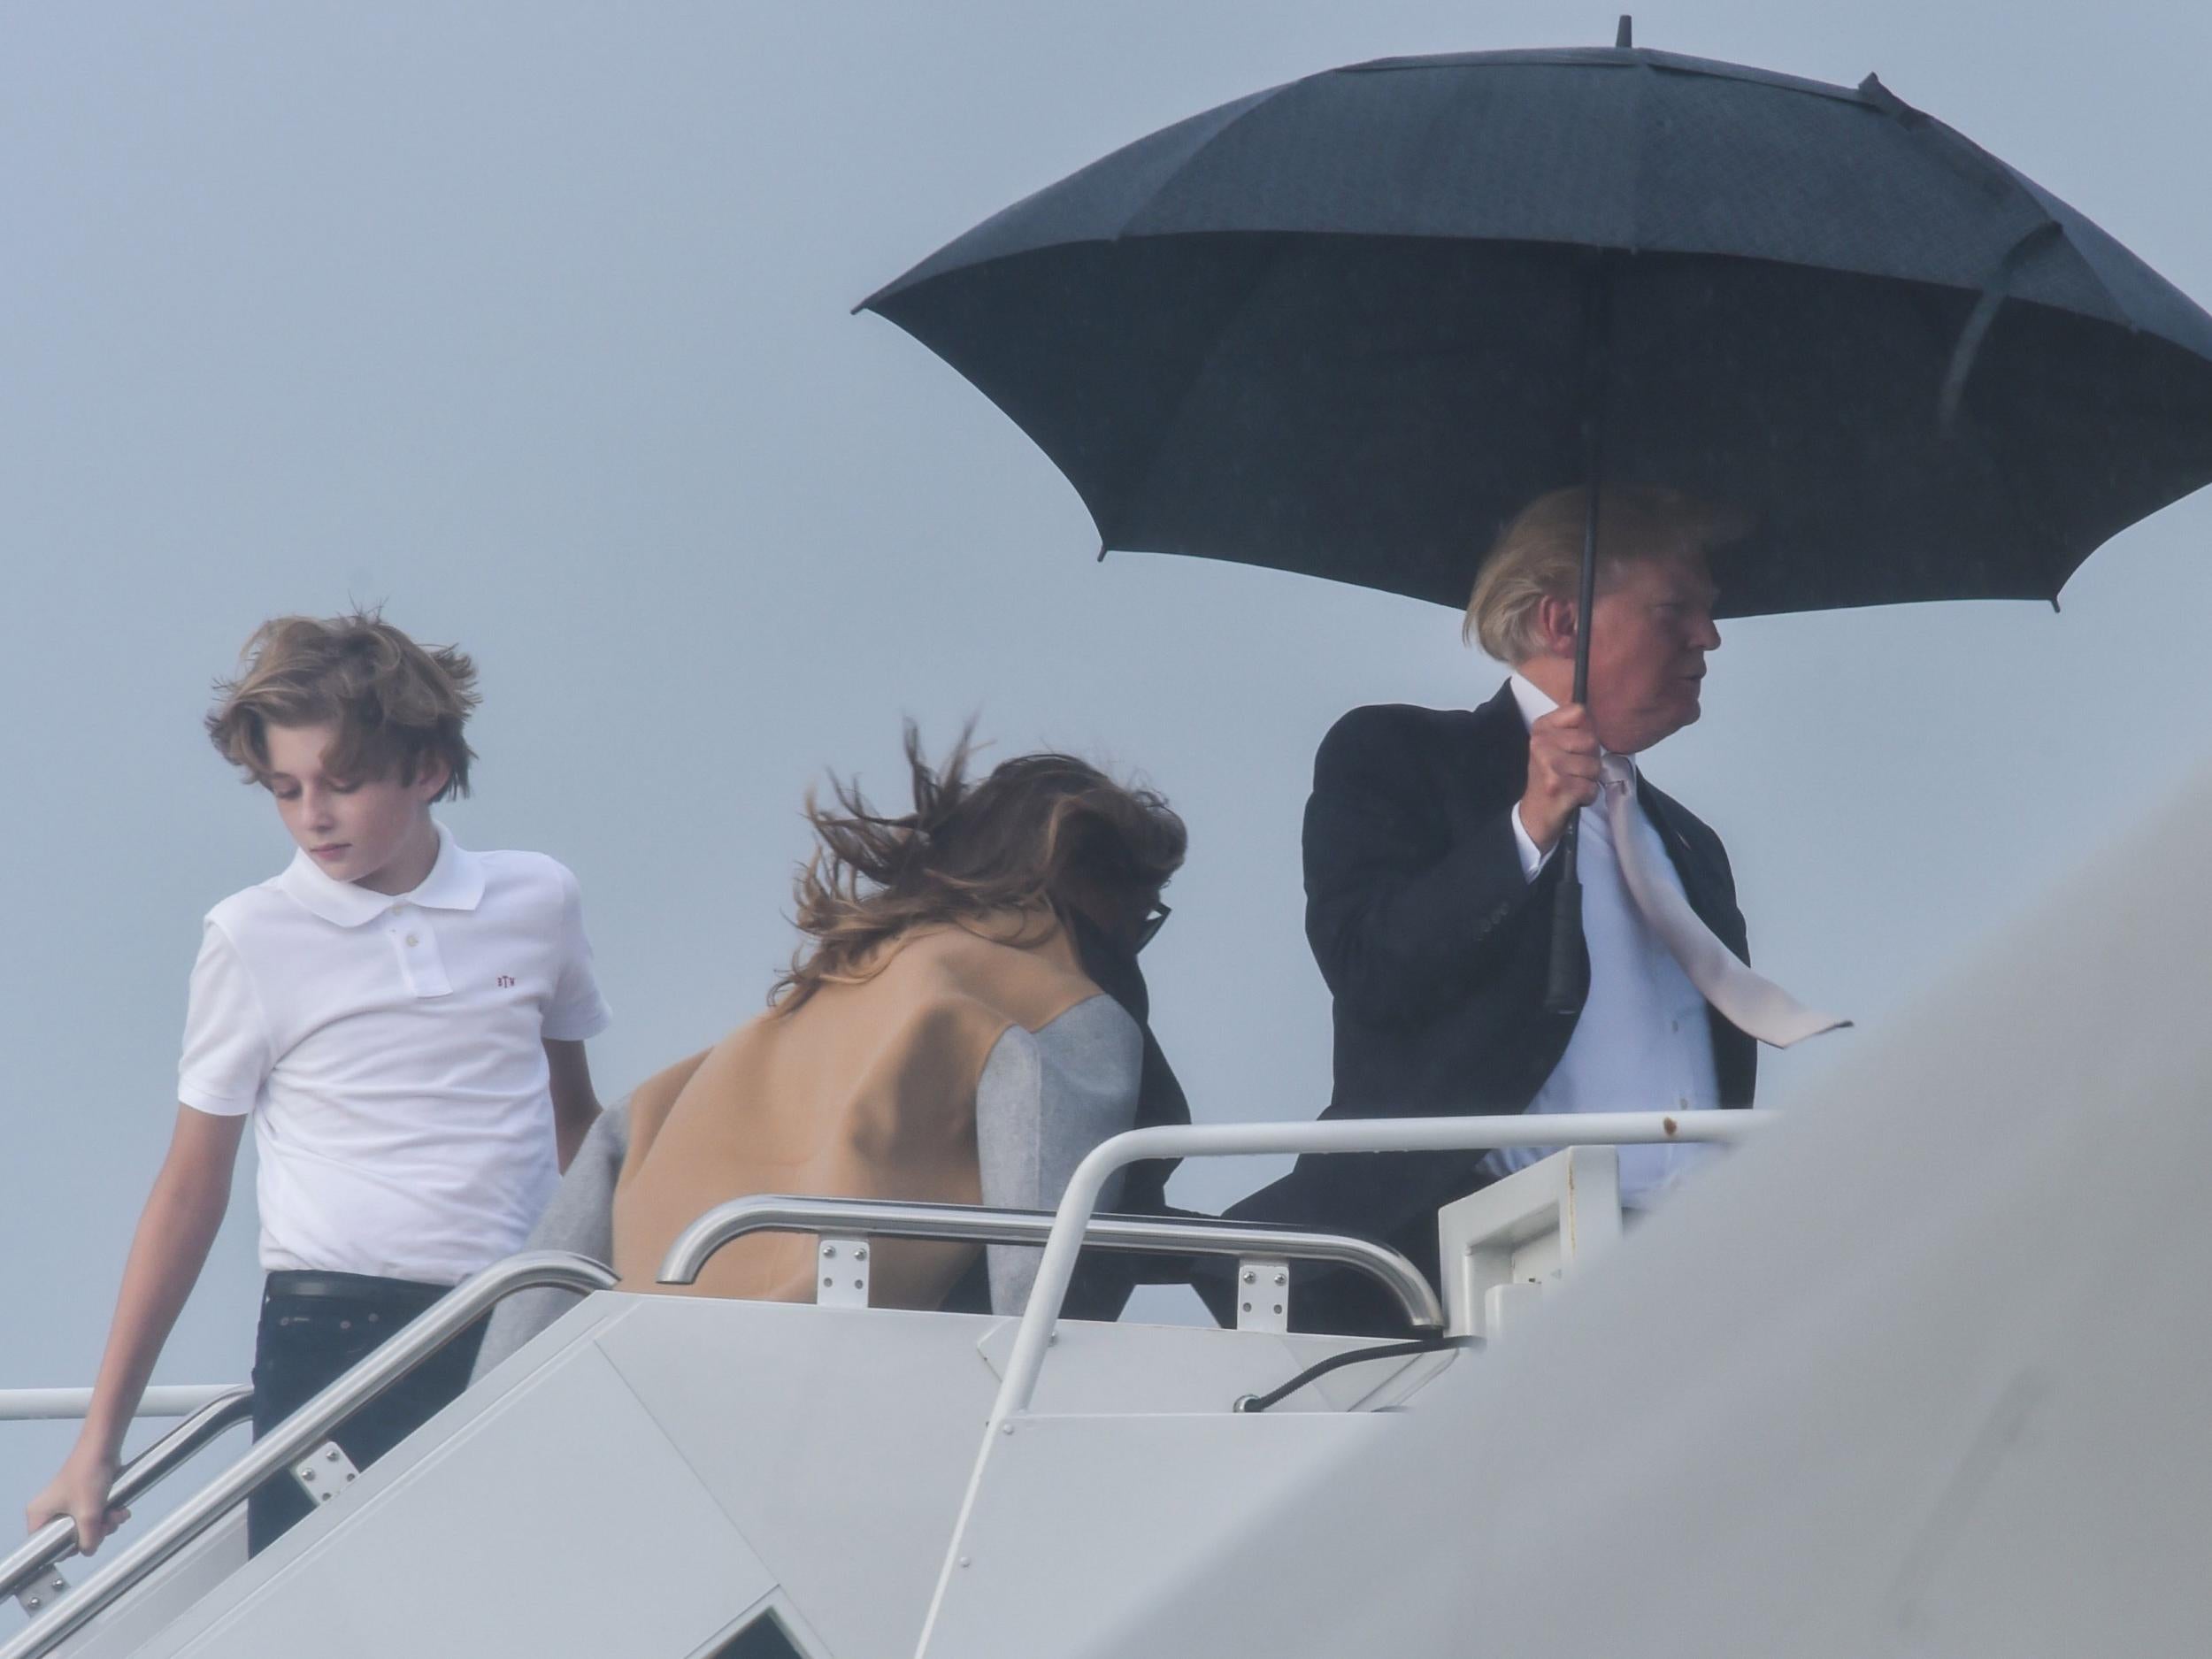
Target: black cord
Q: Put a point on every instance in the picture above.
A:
(1355, 1356)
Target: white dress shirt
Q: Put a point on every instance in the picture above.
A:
(1642, 1043)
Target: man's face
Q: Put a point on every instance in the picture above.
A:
(353, 829)
(1650, 630)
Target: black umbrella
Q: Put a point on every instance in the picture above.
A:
(1349, 325)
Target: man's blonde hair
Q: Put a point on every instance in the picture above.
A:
(398, 706)
(1538, 556)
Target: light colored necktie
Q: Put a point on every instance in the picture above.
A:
(1752, 1003)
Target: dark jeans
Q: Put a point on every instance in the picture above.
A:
(314, 1328)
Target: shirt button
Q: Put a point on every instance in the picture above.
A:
(412, 942)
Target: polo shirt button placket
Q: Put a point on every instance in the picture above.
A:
(417, 946)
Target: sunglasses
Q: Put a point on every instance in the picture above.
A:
(1155, 919)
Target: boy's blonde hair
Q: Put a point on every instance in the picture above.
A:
(396, 706)
(1538, 556)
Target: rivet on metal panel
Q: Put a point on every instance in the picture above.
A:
(860, 1253)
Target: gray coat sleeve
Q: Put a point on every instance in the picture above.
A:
(1043, 1102)
(580, 1218)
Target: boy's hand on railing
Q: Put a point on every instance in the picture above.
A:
(81, 1492)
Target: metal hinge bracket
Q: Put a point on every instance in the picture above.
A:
(1263, 1295)
(325, 1472)
(844, 1276)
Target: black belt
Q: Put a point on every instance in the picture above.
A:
(353, 1286)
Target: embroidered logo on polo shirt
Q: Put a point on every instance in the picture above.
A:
(505, 981)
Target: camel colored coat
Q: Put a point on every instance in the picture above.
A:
(866, 1090)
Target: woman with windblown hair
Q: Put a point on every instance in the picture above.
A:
(964, 1022)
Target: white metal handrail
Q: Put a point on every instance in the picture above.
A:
(165, 1400)
(307, 1428)
(55, 1542)
(1349, 1135)
(974, 1223)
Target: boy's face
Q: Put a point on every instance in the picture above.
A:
(375, 832)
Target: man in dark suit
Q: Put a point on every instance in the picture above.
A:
(1429, 844)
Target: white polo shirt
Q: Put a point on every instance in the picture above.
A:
(390, 1049)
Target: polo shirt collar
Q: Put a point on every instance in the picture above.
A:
(456, 882)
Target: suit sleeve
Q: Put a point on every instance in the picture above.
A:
(1400, 928)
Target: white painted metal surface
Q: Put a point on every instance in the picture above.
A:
(1017, 1389)
(1504, 1247)
(166, 1594)
(135, 1563)
(1921, 1373)
(642, 1475)
(1262, 1294)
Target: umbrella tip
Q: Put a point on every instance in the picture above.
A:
(1624, 36)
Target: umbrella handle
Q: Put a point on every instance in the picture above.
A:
(1565, 987)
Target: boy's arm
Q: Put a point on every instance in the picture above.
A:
(575, 1108)
(175, 1233)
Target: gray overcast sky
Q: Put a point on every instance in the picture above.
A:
(530, 321)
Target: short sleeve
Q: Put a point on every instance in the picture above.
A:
(577, 1010)
(227, 1052)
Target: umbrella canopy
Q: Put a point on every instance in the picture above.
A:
(1342, 327)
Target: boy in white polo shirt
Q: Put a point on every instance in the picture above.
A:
(402, 1020)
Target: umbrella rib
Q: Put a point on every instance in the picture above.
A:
(1141, 474)
(1257, 104)
(1951, 147)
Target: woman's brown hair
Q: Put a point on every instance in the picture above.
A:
(1016, 841)
(396, 706)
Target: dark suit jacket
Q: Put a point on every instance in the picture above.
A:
(1435, 947)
